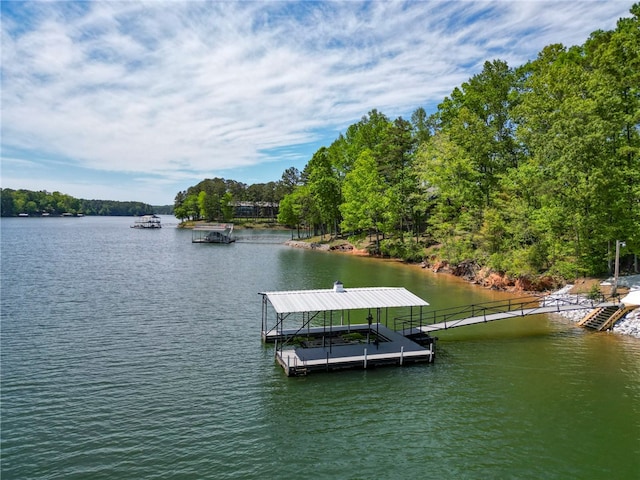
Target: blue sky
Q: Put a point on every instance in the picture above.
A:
(128, 100)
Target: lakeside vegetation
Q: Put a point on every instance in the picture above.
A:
(526, 171)
(220, 199)
(530, 171)
(16, 202)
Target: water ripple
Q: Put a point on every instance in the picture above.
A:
(130, 354)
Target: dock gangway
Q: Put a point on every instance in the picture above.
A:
(447, 318)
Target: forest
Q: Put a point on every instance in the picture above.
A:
(528, 171)
(213, 198)
(16, 202)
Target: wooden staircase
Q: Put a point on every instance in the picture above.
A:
(604, 318)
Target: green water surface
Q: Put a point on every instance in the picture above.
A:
(137, 355)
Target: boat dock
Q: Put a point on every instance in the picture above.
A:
(303, 348)
(312, 329)
(213, 233)
(144, 221)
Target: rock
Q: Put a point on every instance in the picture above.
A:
(628, 325)
(439, 266)
(467, 270)
(343, 247)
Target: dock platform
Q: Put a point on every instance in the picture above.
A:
(383, 347)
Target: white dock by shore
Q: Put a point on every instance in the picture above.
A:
(306, 348)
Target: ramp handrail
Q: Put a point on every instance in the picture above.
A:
(274, 239)
(453, 314)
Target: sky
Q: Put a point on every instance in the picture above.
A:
(137, 101)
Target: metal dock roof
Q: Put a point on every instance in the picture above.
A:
(342, 299)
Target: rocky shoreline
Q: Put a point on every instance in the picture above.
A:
(485, 277)
(325, 247)
(308, 245)
(628, 325)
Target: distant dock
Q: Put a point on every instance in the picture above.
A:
(213, 233)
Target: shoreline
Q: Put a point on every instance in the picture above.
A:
(627, 325)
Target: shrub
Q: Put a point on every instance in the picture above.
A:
(594, 292)
(408, 251)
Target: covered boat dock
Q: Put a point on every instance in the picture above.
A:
(212, 233)
(143, 221)
(312, 329)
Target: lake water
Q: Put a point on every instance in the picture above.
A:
(135, 354)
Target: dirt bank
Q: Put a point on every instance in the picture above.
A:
(474, 274)
(485, 277)
(471, 271)
(468, 270)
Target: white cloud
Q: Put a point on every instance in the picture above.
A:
(168, 87)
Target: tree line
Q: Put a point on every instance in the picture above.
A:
(527, 171)
(16, 202)
(214, 199)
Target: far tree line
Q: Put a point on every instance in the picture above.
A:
(17, 202)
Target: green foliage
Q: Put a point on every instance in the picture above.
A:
(226, 206)
(215, 199)
(594, 292)
(408, 251)
(289, 213)
(298, 340)
(324, 188)
(353, 337)
(15, 202)
(202, 205)
(567, 268)
(192, 208)
(528, 171)
(363, 193)
(456, 250)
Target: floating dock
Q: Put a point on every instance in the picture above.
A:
(302, 348)
(213, 233)
(362, 346)
(144, 221)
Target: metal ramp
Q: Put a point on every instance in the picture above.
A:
(491, 311)
(262, 238)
